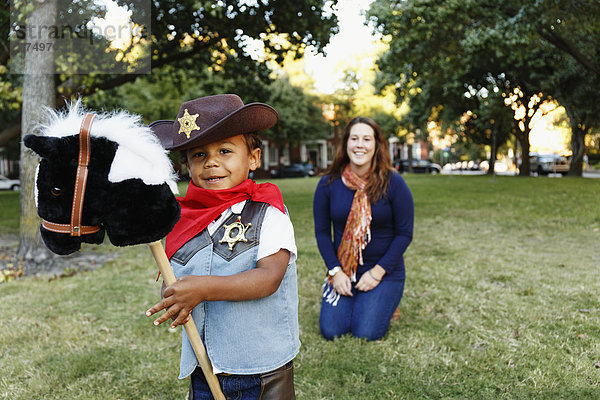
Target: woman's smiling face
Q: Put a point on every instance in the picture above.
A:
(361, 146)
(223, 164)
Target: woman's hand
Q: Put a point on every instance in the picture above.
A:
(341, 284)
(370, 279)
(179, 300)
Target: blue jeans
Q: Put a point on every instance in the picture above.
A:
(365, 314)
(278, 384)
(238, 387)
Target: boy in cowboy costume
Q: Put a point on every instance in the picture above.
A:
(233, 252)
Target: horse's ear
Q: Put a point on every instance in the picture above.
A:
(44, 146)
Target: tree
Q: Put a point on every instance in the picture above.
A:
(207, 33)
(201, 34)
(438, 54)
(160, 94)
(571, 28)
(489, 123)
(577, 91)
(357, 95)
(10, 85)
(38, 92)
(300, 117)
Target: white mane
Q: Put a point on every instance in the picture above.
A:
(139, 154)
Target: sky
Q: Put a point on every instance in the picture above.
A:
(353, 37)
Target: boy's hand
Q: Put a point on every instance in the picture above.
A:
(179, 300)
(187, 292)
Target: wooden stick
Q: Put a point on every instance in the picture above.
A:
(166, 271)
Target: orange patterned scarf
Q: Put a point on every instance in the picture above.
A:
(357, 232)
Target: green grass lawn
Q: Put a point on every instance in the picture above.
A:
(9, 212)
(501, 301)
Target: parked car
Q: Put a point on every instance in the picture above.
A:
(545, 164)
(9, 184)
(293, 170)
(423, 166)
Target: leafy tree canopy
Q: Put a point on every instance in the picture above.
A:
(453, 55)
(183, 35)
(160, 95)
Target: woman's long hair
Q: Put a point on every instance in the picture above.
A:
(381, 166)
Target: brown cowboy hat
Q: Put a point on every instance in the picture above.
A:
(208, 119)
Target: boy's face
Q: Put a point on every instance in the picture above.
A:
(222, 164)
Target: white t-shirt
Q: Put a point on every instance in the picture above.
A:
(277, 232)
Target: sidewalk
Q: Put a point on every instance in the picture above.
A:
(591, 173)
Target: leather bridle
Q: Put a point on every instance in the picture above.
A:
(75, 228)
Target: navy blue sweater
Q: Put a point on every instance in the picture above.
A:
(391, 224)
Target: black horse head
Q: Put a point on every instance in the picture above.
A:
(128, 193)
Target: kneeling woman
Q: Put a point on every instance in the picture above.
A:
(371, 209)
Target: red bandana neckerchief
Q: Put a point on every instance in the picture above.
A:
(357, 232)
(200, 207)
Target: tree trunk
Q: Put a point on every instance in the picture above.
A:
(493, 155)
(523, 139)
(38, 92)
(523, 135)
(577, 146)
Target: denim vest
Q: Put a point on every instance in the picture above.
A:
(241, 337)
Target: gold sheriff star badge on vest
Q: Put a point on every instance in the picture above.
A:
(187, 123)
(239, 236)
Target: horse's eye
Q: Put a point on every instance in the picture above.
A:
(56, 191)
